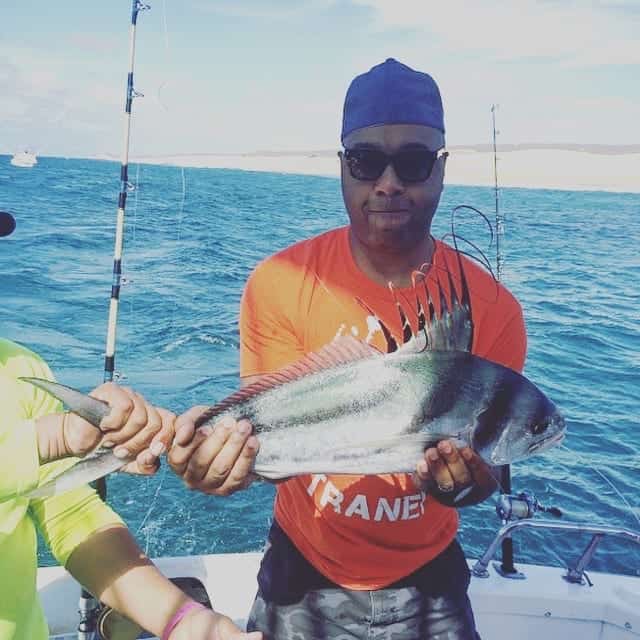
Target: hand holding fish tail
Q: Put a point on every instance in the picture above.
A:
(150, 443)
(217, 460)
(455, 477)
(134, 428)
(137, 431)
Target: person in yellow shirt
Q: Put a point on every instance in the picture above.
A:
(37, 442)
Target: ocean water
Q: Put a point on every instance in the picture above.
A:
(192, 237)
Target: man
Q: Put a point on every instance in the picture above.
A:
(38, 441)
(355, 556)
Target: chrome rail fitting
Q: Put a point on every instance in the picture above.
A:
(576, 573)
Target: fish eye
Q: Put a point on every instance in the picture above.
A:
(539, 428)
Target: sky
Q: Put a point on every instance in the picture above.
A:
(231, 76)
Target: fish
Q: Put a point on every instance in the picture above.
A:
(349, 408)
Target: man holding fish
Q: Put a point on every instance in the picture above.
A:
(360, 556)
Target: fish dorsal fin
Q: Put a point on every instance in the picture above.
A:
(415, 344)
(343, 350)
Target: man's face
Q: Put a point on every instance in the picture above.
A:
(391, 213)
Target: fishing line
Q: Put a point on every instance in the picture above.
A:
(150, 509)
(633, 462)
(485, 263)
(631, 509)
(180, 216)
(454, 235)
(125, 280)
(618, 493)
(436, 270)
(135, 202)
(165, 30)
(343, 306)
(175, 262)
(178, 261)
(483, 260)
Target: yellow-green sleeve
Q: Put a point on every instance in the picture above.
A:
(20, 405)
(68, 519)
(18, 453)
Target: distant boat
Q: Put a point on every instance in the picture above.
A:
(24, 159)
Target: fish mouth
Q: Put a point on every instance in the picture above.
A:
(547, 442)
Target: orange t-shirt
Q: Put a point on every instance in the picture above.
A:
(361, 532)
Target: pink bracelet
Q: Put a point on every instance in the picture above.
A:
(178, 615)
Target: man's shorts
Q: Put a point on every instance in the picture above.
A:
(295, 602)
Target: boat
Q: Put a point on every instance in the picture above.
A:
(526, 601)
(24, 159)
(531, 601)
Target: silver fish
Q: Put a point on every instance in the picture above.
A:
(349, 409)
(331, 413)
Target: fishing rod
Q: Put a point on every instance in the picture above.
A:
(88, 606)
(125, 187)
(499, 219)
(507, 567)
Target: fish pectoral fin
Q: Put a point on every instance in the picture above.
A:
(91, 409)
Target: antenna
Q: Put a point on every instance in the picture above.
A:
(499, 219)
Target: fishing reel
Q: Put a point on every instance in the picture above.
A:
(520, 506)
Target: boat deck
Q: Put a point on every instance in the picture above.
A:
(544, 604)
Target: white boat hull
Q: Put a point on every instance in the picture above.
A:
(24, 159)
(543, 605)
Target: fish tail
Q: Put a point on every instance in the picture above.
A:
(98, 464)
(91, 409)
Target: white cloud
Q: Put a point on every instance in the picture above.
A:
(575, 34)
(259, 9)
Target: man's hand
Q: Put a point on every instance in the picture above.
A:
(215, 460)
(205, 624)
(455, 477)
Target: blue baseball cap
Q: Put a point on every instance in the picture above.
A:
(392, 93)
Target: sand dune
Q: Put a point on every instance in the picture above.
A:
(603, 169)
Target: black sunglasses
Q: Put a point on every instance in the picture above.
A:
(410, 165)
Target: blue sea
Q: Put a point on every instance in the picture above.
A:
(192, 237)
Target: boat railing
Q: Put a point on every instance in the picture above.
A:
(575, 573)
